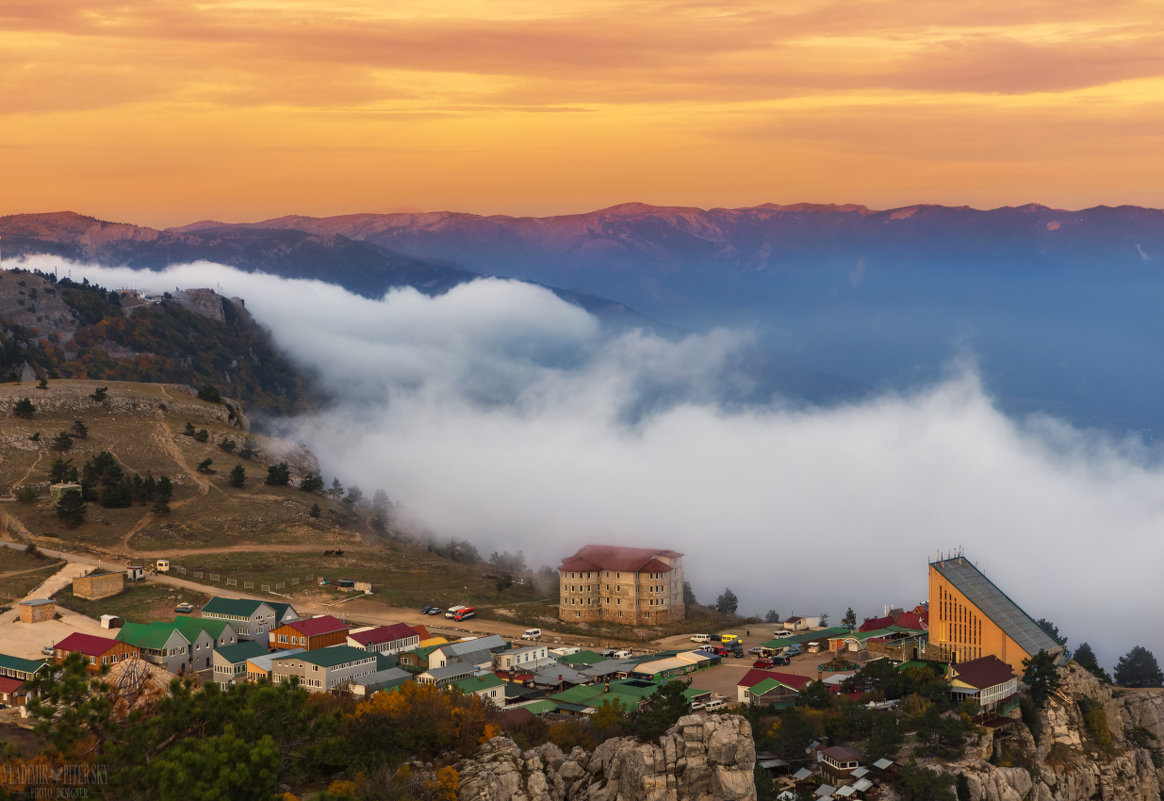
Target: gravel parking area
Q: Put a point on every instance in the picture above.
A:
(26, 639)
(724, 678)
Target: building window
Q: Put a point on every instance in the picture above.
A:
(577, 614)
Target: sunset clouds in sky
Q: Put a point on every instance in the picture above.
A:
(162, 113)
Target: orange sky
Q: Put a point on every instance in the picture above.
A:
(163, 113)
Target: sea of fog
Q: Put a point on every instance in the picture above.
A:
(500, 414)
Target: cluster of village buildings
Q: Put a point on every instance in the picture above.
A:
(968, 625)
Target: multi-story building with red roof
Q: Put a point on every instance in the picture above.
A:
(98, 651)
(316, 632)
(621, 585)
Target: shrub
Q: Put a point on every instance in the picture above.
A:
(24, 408)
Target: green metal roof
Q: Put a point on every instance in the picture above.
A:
(150, 635)
(624, 693)
(280, 609)
(766, 686)
(191, 627)
(335, 655)
(475, 684)
(16, 663)
(239, 607)
(424, 651)
(539, 707)
(241, 652)
(581, 658)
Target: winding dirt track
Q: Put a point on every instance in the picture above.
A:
(165, 440)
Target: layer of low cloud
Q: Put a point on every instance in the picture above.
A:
(500, 414)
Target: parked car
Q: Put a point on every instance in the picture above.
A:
(738, 653)
(436, 610)
(184, 608)
(532, 634)
(719, 651)
(780, 635)
(757, 649)
(763, 664)
(729, 638)
(47, 650)
(426, 609)
(794, 650)
(778, 661)
(715, 705)
(700, 638)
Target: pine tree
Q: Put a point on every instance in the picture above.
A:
(1085, 658)
(1138, 668)
(1041, 677)
(727, 602)
(238, 476)
(71, 507)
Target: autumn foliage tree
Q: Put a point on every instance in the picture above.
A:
(419, 720)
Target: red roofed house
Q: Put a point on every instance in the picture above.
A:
(393, 639)
(765, 687)
(908, 620)
(839, 761)
(12, 691)
(313, 633)
(989, 681)
(621, 585)
(97, 651)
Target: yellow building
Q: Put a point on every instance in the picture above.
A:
(971, 618)
(632, 586)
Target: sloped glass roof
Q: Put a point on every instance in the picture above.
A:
(994, 603)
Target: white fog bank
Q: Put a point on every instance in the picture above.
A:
(500, 414)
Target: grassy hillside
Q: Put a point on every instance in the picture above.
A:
(256, 533)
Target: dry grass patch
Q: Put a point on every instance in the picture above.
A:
(14, 585)
(141, 603)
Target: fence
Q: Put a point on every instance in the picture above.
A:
(270, 586)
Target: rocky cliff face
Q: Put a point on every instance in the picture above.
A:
(1069, 762)
(699, 759)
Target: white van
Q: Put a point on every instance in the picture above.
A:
(532, 634)
(715, 705)
(700, 638)
(451, 612)
(622, 654)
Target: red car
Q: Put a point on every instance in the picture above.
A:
(763, 663)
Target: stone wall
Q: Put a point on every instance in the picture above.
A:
(98, 585)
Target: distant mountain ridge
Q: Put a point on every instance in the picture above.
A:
(1060, 308)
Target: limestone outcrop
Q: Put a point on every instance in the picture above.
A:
(701, 758)
(1068, 763)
